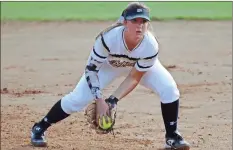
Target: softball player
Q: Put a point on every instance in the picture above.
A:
(128, 49)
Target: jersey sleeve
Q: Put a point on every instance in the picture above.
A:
(96, 59)
(145, 64)
(99, 51)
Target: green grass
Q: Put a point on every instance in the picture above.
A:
(37, 11)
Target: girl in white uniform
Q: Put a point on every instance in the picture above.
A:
(129, 49)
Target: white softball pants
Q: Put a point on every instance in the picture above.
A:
(158, 79)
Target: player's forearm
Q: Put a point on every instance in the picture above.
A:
(126, 87)
(93, 83)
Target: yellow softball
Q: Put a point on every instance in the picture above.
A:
(105, 122)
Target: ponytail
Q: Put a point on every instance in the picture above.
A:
(119, 22)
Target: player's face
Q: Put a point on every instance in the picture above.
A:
(137, 27)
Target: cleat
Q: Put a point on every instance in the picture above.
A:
(176, 142)
(38, 136)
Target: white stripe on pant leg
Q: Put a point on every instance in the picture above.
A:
(160, 81)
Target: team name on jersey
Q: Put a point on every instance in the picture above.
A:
(121, 60)
(118, 63)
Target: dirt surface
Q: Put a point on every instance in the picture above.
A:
(41, 62)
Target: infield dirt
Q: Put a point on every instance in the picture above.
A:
(41, 62)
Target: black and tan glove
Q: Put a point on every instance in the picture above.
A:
(105, 124)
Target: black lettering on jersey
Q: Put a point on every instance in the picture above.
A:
(127, 64)
(118, 63)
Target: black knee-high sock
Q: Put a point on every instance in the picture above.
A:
(170, 116)
(55, 115)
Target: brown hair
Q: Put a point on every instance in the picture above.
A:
(118, 23)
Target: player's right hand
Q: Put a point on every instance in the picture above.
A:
(102, 109)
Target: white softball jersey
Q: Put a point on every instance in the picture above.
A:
(109, 59)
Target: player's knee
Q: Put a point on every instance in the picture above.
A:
(73, 103)
(170, 94)
(67, 104)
